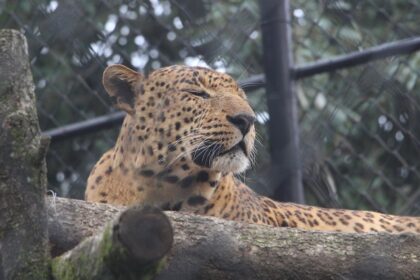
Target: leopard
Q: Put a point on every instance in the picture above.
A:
(187, 134)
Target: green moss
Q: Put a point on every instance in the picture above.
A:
(73, 268)
(84, 266)
(62, 270)
(111, 262)
(106, 242)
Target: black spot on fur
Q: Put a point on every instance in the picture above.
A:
(171, 179)
(185, 166)
(187, 181)
(147, 173)
(202, 176)
(161, 159)
(177, 206)
(213, 184)
(196, 200)
(109, 170)
(98, 179)
(208, 207)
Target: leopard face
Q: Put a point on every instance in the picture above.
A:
(189, 114)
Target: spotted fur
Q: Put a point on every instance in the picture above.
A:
(188, 130)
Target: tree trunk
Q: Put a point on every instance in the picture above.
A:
(131, 248)
(23, 226)
(211, 248)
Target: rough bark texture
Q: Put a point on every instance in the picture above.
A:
(23, 226)
(211, 248)
(133, 247)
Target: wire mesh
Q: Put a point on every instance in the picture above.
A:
(359, 131)
(362, 119)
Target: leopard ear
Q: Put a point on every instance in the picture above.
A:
(122, 85)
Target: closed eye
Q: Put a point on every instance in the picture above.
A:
(199, 93)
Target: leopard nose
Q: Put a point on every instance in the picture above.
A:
(242, 121)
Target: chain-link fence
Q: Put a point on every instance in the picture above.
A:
(360, 123)
(359, 134)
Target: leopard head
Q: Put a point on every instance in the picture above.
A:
(190, 117)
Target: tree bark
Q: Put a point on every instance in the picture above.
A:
(211, 248)
(23, 226)
(131, 248)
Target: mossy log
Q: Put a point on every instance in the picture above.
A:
(23, 226)
(133, 247)
(212, 248)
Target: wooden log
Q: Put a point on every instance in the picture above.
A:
(212, 248)
(23, 226)
(133, 247)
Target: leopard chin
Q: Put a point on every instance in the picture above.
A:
(235, 162)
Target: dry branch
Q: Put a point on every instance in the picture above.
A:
(23, 226)
(131, 248)
(211, 248)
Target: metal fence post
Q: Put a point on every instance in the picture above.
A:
(285, 175)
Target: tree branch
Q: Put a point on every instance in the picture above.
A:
(211, 248)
